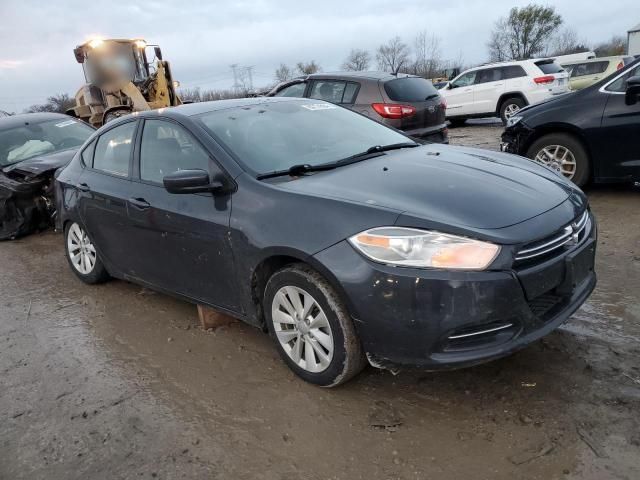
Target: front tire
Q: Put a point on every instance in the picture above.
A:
(510, 107)
(565, 154)
(311, 327)
(82, 256)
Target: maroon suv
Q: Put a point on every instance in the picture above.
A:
(406, 102)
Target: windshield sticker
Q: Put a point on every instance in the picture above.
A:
(319, 106)
(65, 123)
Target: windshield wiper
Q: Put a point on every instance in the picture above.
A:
(302, 168)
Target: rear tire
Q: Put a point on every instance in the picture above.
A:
(312, 329)
(544, 150)
(82, 256)
(510, 107)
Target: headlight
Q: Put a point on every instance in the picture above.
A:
(511, 121)
(411, 247)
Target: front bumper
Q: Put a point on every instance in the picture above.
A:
(438, 319)
(515, 139)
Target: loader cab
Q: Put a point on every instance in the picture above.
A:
(108, 61)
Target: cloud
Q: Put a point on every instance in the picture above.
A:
(202, 39)
(10, 64)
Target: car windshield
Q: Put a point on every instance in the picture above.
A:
(274, 136)
(32, 139)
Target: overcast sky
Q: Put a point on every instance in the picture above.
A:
(203, 38)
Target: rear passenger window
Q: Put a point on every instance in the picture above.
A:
(489, 75)
(113, 150)
(513, 71)
(167, 148)
(87, 154)
(328, 90)
(350, 93)
(590, 68)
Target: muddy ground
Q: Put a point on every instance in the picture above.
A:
(115, 381)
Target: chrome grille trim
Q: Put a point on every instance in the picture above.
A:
(481, 332)
(559, 240)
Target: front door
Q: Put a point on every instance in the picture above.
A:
(488, 87)
(103, 188)
(181, 241)
(459, 95)
(618, 138)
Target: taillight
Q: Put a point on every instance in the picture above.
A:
(545, 79)
(620, 66)
(392, 110)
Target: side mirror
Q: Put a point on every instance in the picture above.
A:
(190, 181)
(451, 86)
(633, 90)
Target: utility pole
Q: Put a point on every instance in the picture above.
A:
(250, 73)
(236, 85)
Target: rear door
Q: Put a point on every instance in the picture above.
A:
(103, 186)
(180, 241)
(489, 85)
(617, 139)
(586, 74)
(423, 96)
(459, 95)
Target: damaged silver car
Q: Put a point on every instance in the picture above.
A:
(32, 147)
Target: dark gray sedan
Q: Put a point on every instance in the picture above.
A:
(343, 238)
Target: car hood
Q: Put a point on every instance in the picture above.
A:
(42, 163)
(452, 185)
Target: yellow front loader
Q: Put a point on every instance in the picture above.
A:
(120, 80)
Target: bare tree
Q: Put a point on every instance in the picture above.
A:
(616, 45)
(393, 55)
(308, 68)
(428, 62)
(56, 103)
(357, 60)
(283, 73)
(566, 42)
(524, 33)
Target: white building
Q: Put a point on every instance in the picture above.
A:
(633, 41)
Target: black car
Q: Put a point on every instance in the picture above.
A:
(32, 147)
(588, 135)
(406, 102)
(345, 239)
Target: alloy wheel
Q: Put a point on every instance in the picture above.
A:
(82, 253)
(559, 158)
(510, 110)
(302, 329)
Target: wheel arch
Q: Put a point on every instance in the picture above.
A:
(508, 95)
(272, 263)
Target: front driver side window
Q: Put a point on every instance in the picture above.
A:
(620, 85)
(465, 80)
(295, 90)
(167, 148)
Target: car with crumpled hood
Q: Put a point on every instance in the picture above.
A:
(32, 147)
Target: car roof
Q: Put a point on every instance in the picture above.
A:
(371, 75)
(22, 118)
(192, 109)
(598, 59)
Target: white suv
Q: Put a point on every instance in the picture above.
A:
(502, 88)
